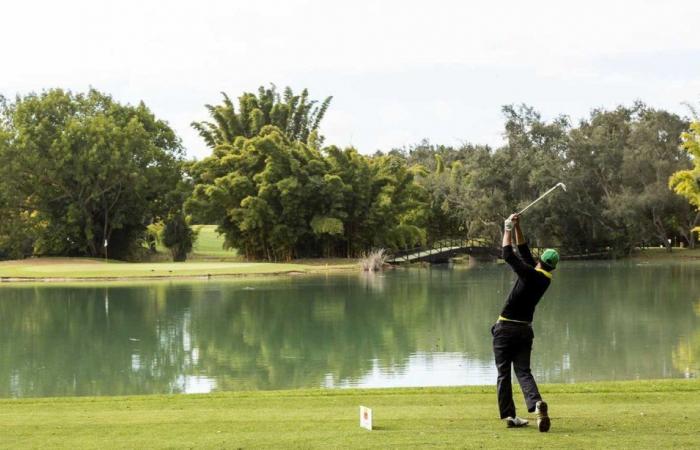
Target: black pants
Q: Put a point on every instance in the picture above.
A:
(512, 344)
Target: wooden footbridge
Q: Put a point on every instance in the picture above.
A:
(442, 251)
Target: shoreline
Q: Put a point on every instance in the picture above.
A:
(24, 280)
(70, 270)
(67, 270)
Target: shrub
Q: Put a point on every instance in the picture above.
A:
(178, 236)
(374, 260)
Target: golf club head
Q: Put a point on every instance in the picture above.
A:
(562, 185)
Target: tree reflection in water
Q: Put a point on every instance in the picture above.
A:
(599, 321)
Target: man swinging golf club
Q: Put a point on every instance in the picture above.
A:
(512, 333)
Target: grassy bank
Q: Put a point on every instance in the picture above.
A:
(208, 259)
(87, 269)
(661, 254)
(600, 415)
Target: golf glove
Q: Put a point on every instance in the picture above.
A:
(508, 225)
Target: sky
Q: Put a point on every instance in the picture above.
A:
(399, 71)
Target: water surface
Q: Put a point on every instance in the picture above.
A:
(415, 327)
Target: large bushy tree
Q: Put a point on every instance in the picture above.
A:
(276, 194)
(258, 191)
(277, 199)
(86, 169)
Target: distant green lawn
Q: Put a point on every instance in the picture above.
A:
(623, 415)
(656, 253)
(210, 243)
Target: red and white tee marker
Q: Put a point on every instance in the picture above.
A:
(366, 418)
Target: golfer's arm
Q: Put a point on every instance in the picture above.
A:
(507, 239)
(523, 249)
(519, 239)
(517, 264)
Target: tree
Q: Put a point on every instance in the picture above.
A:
(593, 175)
(615, 164)
(652, 155)
(686, 183)
(87, 170)
(478, 194)
(327, 228)
(263, 193)
(295, 115)
(435, 169)
(353, 191)
(276, 194)
(178, 236)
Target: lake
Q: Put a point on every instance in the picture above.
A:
(405, 327)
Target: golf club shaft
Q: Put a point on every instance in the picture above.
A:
(538, 199)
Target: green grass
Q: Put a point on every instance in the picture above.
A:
(77, 268)
(633, 415)
(210, 243)
(661, 254)
(208, 258)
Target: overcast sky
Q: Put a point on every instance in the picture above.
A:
(399, 71)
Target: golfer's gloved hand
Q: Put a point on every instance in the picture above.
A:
(511, 221)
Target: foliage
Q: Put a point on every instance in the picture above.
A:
(178, 236)
(616, 165)
(327, 228)
(85, 169)
(154, 233)
(275, 198)
(295, 115)
(373, 261)
(687, 182)
(77, 170)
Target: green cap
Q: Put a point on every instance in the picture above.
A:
(550, 257)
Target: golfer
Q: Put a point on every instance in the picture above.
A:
(512, 333)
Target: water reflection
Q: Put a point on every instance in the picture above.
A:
(420, 369)
(599, 321)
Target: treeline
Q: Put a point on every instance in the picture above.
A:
(616, 165)
(78, 171)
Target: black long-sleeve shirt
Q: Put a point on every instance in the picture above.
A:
(529, 287)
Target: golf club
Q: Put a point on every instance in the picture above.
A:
(561, 185)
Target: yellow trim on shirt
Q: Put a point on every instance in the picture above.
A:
(501, 319)
(545, 273)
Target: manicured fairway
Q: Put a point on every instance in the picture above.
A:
(210, 243)
(631, 415)
(77, 268)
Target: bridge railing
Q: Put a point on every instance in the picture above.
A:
(438, 246)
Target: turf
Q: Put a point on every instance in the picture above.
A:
(77, 268)
(638, 414)
(210, 243)
(677, 254)
(208, 258)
